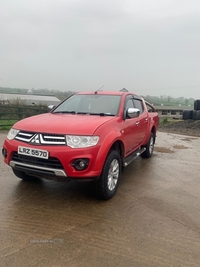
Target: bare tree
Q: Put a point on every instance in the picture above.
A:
(186, 100)
(169, 98)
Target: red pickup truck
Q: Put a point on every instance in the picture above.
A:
(89, 136)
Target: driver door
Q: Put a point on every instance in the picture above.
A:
(131, 129)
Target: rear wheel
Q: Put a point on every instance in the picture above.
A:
(107, 184)
(149, 147)
(22, 175)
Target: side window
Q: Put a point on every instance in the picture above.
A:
(150, 108)
(129, 104)
(138, 104)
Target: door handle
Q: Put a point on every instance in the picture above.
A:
(137, 123)
(146, 119)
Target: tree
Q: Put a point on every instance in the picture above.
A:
(186, 101)
(169, 98)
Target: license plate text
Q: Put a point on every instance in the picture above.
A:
(39, 153)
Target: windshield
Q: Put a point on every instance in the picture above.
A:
(90, 104)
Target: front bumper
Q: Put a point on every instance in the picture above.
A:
(59, 164)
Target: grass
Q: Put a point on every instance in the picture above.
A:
(168, 120)
(6, 124)
(173, 101)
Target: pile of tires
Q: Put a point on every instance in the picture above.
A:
(192, 114)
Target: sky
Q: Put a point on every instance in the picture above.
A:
(149, 47)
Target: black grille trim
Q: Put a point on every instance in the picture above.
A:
(51, 162)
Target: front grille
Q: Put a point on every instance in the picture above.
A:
(47, 163)
(24, 136)
(39, 138)
(52, 139)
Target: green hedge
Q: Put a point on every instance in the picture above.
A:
(10, 113)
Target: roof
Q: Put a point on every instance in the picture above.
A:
(106, 93)
(30, 98)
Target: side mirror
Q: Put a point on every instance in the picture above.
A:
(133, 112)
(51, 107)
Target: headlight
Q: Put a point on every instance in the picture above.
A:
(12, 133)
(76, 141)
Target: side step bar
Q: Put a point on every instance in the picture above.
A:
(133, 156)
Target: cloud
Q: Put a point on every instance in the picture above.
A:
(148, 46)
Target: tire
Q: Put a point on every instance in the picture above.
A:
(149, 147)
(107, 184)
(187, 114)
(197, 104)
(22, 175)
(194, 114)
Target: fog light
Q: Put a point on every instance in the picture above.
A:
(4, 152)
(80, 164)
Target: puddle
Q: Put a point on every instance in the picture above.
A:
(180, 147)
(188, 139)
(163, 149)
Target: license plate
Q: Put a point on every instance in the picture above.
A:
(38, 153)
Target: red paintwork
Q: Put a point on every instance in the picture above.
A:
(62, 123)
(110, 129)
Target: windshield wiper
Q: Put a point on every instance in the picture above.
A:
(91, 113)
(102, 114)
(106, 114)
(70, 112)
(83, 113)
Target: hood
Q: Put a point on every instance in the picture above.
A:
(62, 123)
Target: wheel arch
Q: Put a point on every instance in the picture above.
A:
(105, 149)
(153, 130)
(119, 147)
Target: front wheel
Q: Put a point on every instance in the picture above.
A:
(106, 185)
(149, 147)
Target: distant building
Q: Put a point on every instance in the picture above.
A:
(29, 99)
(171, 111)
(123, 90)
(30, 92)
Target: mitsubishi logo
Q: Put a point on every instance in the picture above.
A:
(35, 139)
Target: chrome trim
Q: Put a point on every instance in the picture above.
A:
(53, 137)
(52, 142)
(25, 134)
(56, 171)
(22, 139)
(40, 139)
(134, 156)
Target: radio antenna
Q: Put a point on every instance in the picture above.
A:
(99, 89)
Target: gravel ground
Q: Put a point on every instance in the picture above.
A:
(187, 127)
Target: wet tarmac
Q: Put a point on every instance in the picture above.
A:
(154, 219)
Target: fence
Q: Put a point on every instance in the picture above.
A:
(11, 114)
